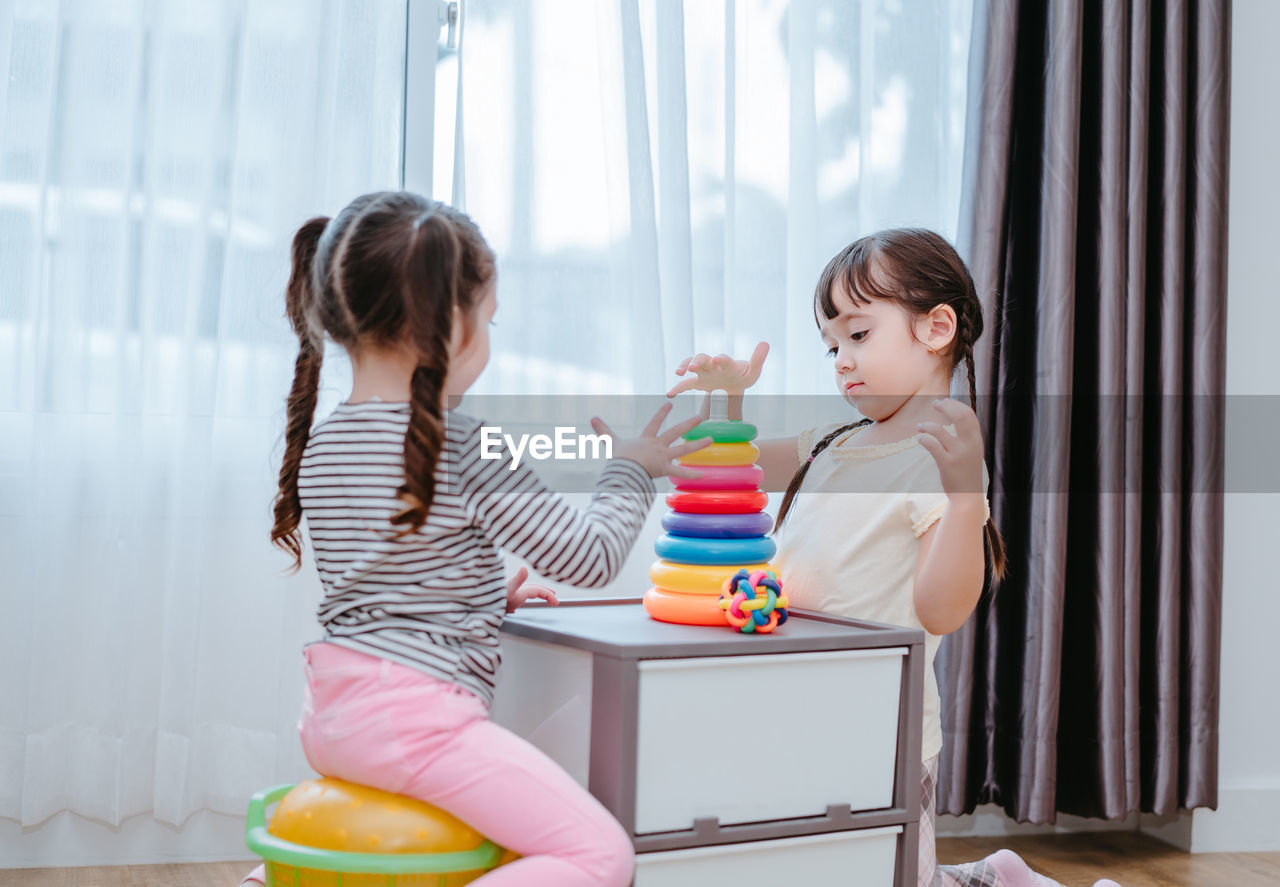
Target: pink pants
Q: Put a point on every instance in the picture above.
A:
(378, 723)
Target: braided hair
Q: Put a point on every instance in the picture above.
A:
(388, 270)
(797, 479)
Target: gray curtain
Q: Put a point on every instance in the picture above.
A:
(1094, 222)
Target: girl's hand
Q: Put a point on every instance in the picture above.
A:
(721, 373)
(518, 594)
(959, 455)
(657, 452)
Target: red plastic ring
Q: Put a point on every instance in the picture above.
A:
(717, 501)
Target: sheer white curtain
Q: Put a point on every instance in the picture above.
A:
(155, 159)
(661, 177)
(657, 178)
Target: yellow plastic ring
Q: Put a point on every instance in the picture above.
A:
(696, 578)
(724, 454)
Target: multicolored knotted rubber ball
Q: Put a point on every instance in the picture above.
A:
(754, 601)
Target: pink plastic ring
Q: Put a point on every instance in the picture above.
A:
(723, 477)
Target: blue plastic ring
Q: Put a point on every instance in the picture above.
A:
(683, 550)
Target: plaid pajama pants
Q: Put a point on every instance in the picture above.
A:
(968, 874)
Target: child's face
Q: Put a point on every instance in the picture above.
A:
(469, 347)
(879, 361)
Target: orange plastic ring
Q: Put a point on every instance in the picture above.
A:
(683, 609)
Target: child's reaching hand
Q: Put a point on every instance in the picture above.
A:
(656, 452)
(519, 594)
(959, 455)
(721, 373)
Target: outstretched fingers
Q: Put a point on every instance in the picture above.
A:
(678, 470)
(655, 423)
(669, 436)
(968, 428)
(689, 446)
(692, 363)
(598, 425)
(681, 387)
(756, 363)
(934, 438)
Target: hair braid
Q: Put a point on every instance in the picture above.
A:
(798, 478)
(967, 320)
(299, 300)
(432, 265)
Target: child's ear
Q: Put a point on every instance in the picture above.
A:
(461, 332)
(937, 329)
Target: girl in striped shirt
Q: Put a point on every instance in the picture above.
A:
(406, 522)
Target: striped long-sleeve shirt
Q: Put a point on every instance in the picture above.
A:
(434, 599)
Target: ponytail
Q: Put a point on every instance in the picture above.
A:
(299, 299)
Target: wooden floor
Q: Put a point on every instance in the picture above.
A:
(1129, 858)
(213, 874)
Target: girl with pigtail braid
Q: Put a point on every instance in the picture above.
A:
(885, 517)
(406, 515)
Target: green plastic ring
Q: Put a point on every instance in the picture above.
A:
(273, 849)
(726, 431)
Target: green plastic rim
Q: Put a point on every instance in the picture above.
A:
(272, 849)
(724, 431)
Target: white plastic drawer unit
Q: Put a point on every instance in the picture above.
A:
(864, 858)
(815, 728)
(694, 736)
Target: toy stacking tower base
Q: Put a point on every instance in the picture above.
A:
(716, 527)
(683, 609)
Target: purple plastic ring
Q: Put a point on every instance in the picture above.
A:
(717, 526)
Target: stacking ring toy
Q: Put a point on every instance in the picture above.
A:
(713, 502)
(723, 454)
(694, 578)
(723, 432)
(723, 477)
(682, 550)
(717, 526)
(753, 601)
(685, 609)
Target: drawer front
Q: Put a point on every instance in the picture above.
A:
(757, 738)
(544, 696)
(864, 858)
